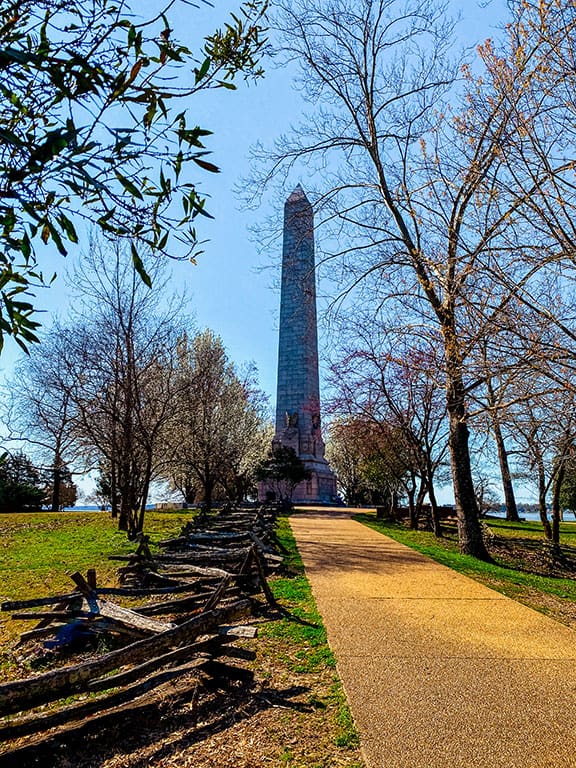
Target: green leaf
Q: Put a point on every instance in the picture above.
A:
(26, 246)
(199, 74)
(68, 227)
(131, 35)
(44, 47)
(11, 138)
(206, 165)
(139, 266)
(163, 240)
(129, 186)
(57, 239)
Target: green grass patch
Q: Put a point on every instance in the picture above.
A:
(513, 582)
(303, 626)
(347, 736)
(304, 632)
(39, 551)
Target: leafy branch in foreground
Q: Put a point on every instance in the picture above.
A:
(93, 128)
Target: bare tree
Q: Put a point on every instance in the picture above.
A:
(39, 411)
(345, 457)
(250, 434)
(217, 432)
(440, 215)
(370, 460)
(492, 400)
(544, 433)
(119, 355)
(382, 377)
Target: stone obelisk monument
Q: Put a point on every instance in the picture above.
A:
(298, 393)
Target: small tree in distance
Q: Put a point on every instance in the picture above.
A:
(283, 470)
(20, 484)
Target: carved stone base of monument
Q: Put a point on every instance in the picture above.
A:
(321, 488)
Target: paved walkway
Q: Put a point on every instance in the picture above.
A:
(440, 672)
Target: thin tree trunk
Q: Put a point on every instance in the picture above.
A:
(420, 498)
(394, 504)
(436, 525)
(509, 497)
(208, 488)
(113, 490)
(412, 516)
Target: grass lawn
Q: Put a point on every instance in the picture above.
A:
(39, 551)
(521, 569)
(296, 714)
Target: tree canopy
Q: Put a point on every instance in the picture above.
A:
(21, 487)
(93, 127)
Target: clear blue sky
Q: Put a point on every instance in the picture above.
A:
(230, 291)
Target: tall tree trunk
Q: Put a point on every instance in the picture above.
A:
(509, 497)
(469, 531)
(56, 474)
(542, 510)
(125, 498)
(208, 488)
(556, 511)
(394, 504)
(189, 494)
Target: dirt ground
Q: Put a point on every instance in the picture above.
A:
(272, 717)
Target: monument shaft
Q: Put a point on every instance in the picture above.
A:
(298, 393)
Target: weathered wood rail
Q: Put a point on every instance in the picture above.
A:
(204, 582)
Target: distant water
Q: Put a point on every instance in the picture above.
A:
(529, 514)
(95, 508)
(526, 514)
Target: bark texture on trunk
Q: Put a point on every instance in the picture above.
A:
(469, 530)
(509, 498)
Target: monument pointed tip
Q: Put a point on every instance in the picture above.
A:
(297, 194)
